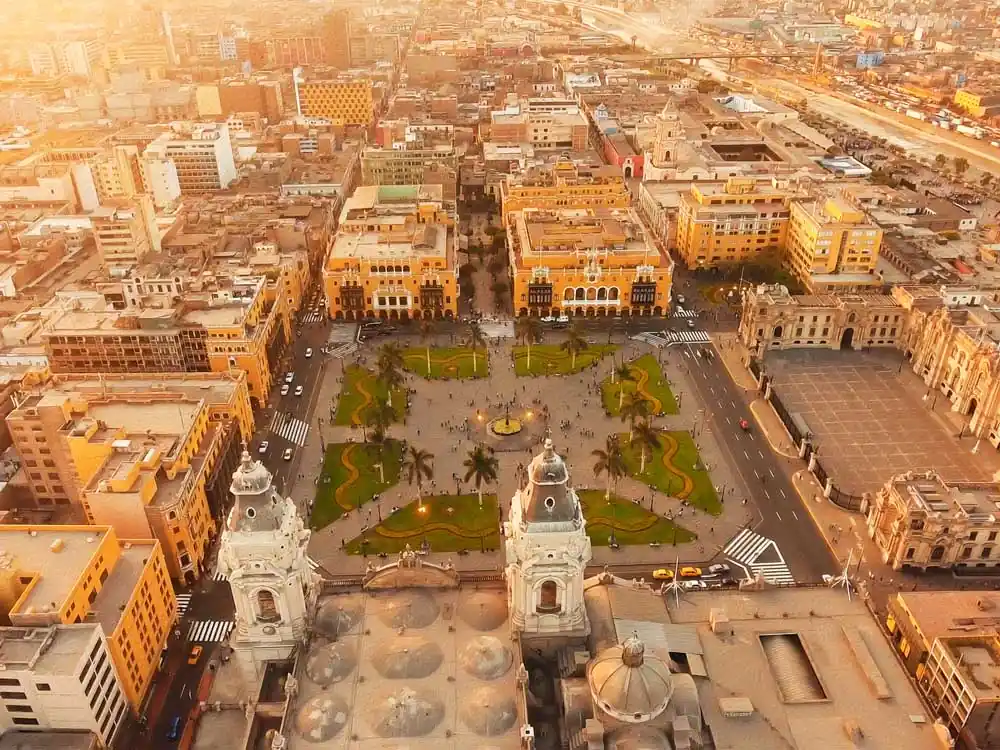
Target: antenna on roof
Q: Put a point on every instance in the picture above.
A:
(675, 586)
(842, 580)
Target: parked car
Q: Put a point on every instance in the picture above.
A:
(309, 353)
(690, 323)
(287, 455)
(284, 389)
(663, 574)
(690, 571)
(262, 448)
(195, 655)
(694, 585)
(174, 729)
(298, 390)
(718, 569)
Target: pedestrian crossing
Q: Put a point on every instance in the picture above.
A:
(747, 547)
(688, 337)
(313, 317)
(683, 312)
(183, 602)
(220, 576)
(210, 631)
(292, 429)
(651, 338)
(344, 350)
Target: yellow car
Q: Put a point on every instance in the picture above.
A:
(663, 574)
(689, 571)
(195, 655)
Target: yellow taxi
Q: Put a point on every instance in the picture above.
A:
(663, 574)
(690, 571)
(194, 655)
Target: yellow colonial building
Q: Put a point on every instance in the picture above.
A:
(342, 101)
(740, 221)
(831, 246)
(148, 457)
(586, 262)
(394, 256)
(564, 184)
(52, 575)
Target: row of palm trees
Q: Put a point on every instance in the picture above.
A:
(529, 331)
(481, 467)
(610, 460)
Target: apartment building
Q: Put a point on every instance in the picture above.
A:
(342, 101)
(832, 246)
(60, 678)
(394, 256)
(544, 123)
(586, 262)
(125, 230)
(202, 155)
(64, 575)
(117, 173)
(337, 38)
(564, 184)
(72, 58)
(148, 457)
(978, 103)
(411, 163)
(160, 179)
(739, 221)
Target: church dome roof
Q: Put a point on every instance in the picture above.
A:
(485, 657)
(409, 609)
(339, 615)
(321, 718)
(488, 710)
(407, 657)
(629, 684)
(252, 477)
(330, 663)
(483, 610)
(548, 497)
(405, 713)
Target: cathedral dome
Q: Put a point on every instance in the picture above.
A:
(405, 713)
(629, 684)
(408, 609)
(407, 657)
(339, 615)
(330, 663)
(639, 738)
(256, 507)
(489, 711)
(485, 657)
(548, 497)
(321, 718)
(483, 610)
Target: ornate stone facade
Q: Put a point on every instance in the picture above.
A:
(263, 554)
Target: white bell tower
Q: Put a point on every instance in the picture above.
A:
(263, 553)
(547, 552)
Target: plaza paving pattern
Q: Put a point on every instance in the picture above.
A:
(647, 381)
(870, 419)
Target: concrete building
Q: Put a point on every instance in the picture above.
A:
(60, 678)
(202, 155)
(978, 103)
(832, 246)
(412, 162)
(60, 575)
(564, 184)
(741, 221)
(345, 102)
(544, 123)
(337, 38)
(160, 178)
(586, 262)
(394, 256)
(125, 230)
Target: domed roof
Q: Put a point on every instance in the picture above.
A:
(483, 610)
(407, 657)
(410, 609)
(339, 615)
(330, 663)
(405, 712)
(485, 657)
(548, 497)
(488, 711)
(628, 684)
(321, 718)
(639, 738)
(256, 507)
(252, 477)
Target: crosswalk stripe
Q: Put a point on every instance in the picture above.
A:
(747, 546)
(292, 429)
(682, 312)
(220, 576)
(312, 317)
(773, 572)
(183, 602)
(344, 350)
(210, 631)
(689, 337)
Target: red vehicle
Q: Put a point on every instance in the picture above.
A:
(744, 425)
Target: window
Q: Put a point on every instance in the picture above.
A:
(10, 681)
(548, 597)
(19, 708)
(43, 687)
(985, 554)
(24, 721)
(13, 695)
(267, 607)
(992, 537)
(910, 552)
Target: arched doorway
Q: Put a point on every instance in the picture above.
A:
(339, 315)
(628, 171)
(971, 408)
(937, 554)
(778, 330)
(657, 311)
(523, 312)
(847, 338)
(548, 597)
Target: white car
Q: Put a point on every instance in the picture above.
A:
(289, 377)
(262, 449)
(284, 389)
(694, 585)
(287, 455)
(309, 353)
(298, 390)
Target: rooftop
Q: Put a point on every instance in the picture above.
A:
(55, 650)
(938, 614)
(54, 740)
(928, 493)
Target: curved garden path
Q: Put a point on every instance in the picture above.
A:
(357, 415)
(668, 454)
(353, 474)
(640, 387)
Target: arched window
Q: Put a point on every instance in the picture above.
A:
(568, 293)
(591, 293)
(613, 293)
(267, 607)
(602, 293)
(548, 597)
(581, 293)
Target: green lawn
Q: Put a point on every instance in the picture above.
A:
(350, 478)
(449, 523)
(447, 363)
(633, 524)
(683, 480)
(646, 374)
(358, 391)
(549, 359)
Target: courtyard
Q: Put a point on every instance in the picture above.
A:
(870, 419)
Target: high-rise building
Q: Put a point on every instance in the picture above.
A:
(831, 245)
(342, 101)
(160, 179)
(125, 230)
(202, 154)
(337, 38)
(60, 575)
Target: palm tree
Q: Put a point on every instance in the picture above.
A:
(622, 373)
(986, 179)
(379, 440)
(611, 462)
(418, 465)
(575, 342)
(940, 160)
(426, 329)
(475, 340)
(379, 415)
(482, 466)
(528, 330)
(961, 164)
(390, 354)
(389, 375)
(634, 409)
(647, 438)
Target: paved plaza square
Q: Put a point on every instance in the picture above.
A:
(871, 421)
